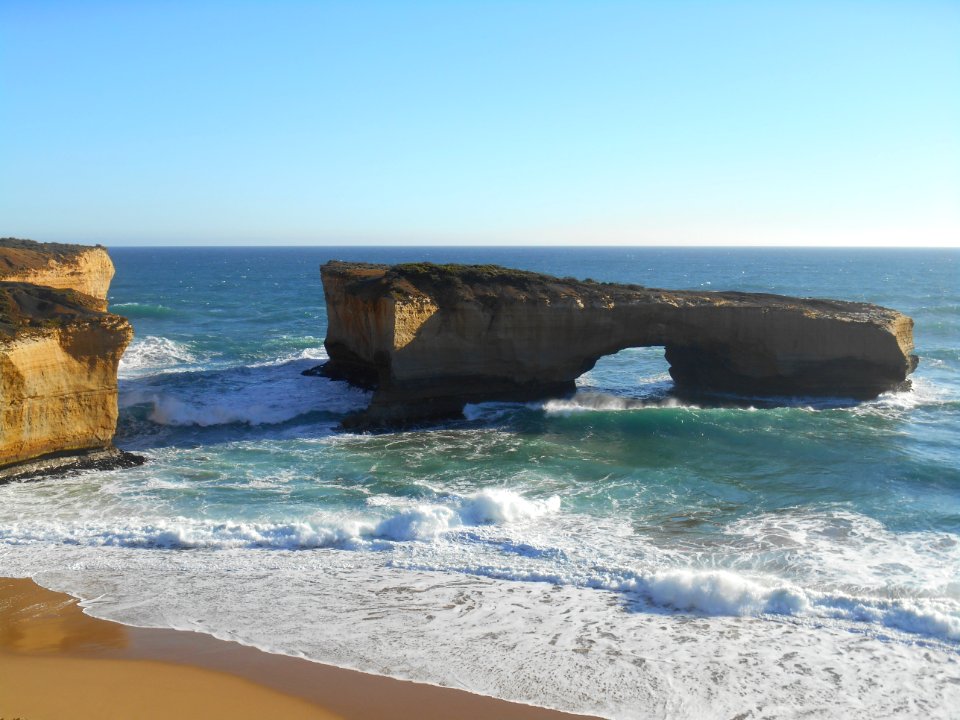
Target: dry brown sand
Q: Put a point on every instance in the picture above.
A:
(56, 663)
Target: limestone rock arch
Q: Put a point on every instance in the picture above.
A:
(430, 338)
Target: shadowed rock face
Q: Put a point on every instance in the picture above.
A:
(431, 338)
(59, 352)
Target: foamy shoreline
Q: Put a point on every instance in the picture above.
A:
(110, 670)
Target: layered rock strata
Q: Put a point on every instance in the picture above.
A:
(430, 338)
(86, 269)
(59, 353)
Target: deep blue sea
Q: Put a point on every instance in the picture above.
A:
(618, 552)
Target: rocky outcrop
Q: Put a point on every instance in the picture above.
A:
(86, 269)
(431, 338)
(59, 353)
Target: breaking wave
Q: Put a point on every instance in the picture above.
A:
(716, 592)
(153, 354)
(416, 523)
(261, 394)
(586, 401)
(496, 516)
(165, 380)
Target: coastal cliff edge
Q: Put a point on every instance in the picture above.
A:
(59, 353)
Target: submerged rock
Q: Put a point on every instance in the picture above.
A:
(59, 352)
(69, 462)
(431, 338)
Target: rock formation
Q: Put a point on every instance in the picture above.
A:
(59, 352)
(430, 338)
(82, 268)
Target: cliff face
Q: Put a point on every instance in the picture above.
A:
(59, 353)
(431, 338)
(71, 267)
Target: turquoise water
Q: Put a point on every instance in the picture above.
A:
(800, 554)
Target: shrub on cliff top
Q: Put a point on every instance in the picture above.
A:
(452, 274)
(55, 249)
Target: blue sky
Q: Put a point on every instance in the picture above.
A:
(676, 123)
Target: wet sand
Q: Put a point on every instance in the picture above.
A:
(57, 663)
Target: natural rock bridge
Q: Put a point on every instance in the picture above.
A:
(430, 338)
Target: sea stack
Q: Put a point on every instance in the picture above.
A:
(431, 338)
(59, 352)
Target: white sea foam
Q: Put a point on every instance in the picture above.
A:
(265, 393)
(581, 401)
(252, 405)
(496, 505)
(517, 640)
(922, 393)
(154, 354)
(313, 354)
(585, 401)
(721, 592)
(830, 564)
(932, 618)
(849, 553)
(711, 592)
(455, 572)
(421, 522)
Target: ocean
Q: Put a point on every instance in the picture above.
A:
(619, 552)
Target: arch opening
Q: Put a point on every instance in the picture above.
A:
(632, 377)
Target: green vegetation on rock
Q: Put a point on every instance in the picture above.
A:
(54, 249)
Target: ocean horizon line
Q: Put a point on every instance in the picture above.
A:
(222, 246)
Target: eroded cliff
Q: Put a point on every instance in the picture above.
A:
(431, 338)
(86, 269)
(59, 353)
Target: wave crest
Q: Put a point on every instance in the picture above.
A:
(417, 523)
(605, 402)
(720, 592)
(152, 354)
(264, 393)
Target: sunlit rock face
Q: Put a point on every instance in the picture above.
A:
(86, 269)
(431, 338)
(59, 353)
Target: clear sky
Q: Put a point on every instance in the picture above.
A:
(672, 122)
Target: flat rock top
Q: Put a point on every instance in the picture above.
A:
(17, 255)
(25, 307)
(493, 284)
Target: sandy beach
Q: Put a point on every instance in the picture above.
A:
(57, 662)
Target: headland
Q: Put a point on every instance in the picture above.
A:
(59, 353)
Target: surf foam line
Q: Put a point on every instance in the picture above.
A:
(720, 592)
(416, 523)
(263, 393)
(605, 402)
(726, 593)
(923, 393)
(581, 402)
(454, 527)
